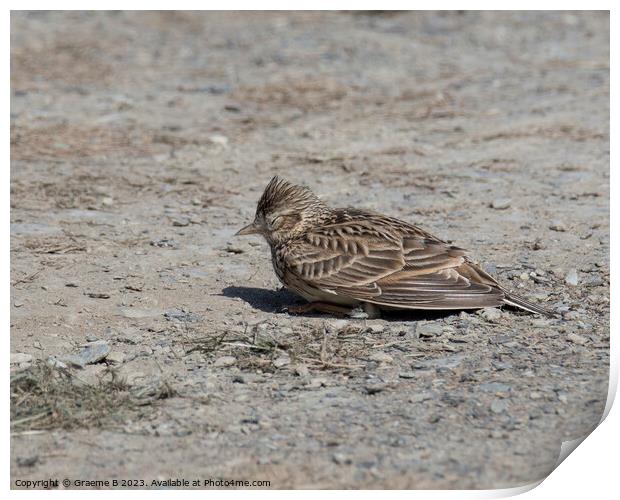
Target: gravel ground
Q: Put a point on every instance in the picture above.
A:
(140, 142)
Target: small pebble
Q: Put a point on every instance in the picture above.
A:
(341, 459)
(594, 281)
(302, 370)
(55, 363)
(358, 313)
(490, 313)
(115, 358)
(281, 362)
(420, 397)
(339, 324)
(375, 388)
(501, 203)
(220, 140)
(180, 222)
(129, 336)
(92, 353)
(572, 278)
(558, 226)
(429, 329)
(225, 361)
(577, 339)
(499, 405)
(163, 243)
(376, 328)
(233, 248)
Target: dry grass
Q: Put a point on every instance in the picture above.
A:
(46, 398)
(317, 347)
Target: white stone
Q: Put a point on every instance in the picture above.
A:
(572, 278)
(490, 313)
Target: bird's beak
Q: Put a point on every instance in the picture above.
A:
(249, 229)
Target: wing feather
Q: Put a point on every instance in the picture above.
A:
(391, 265)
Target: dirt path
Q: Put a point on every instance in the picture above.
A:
(140, 143)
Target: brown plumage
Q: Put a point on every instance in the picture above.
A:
(343, 257)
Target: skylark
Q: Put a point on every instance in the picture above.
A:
(342, 258)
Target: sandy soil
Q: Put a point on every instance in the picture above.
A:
(141, 142)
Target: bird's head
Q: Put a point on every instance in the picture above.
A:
(285, 211)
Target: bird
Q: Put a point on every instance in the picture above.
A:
(346, 259)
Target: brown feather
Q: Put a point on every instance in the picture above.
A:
(351, 256)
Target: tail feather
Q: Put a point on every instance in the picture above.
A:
(516, 301)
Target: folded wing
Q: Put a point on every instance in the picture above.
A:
(390, 266)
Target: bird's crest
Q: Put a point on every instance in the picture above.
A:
(280, 193)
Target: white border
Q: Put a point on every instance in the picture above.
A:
(591, 471)
(310, 5)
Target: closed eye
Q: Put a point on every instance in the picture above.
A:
(277, 221)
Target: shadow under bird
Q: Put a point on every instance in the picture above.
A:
(339, 259)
